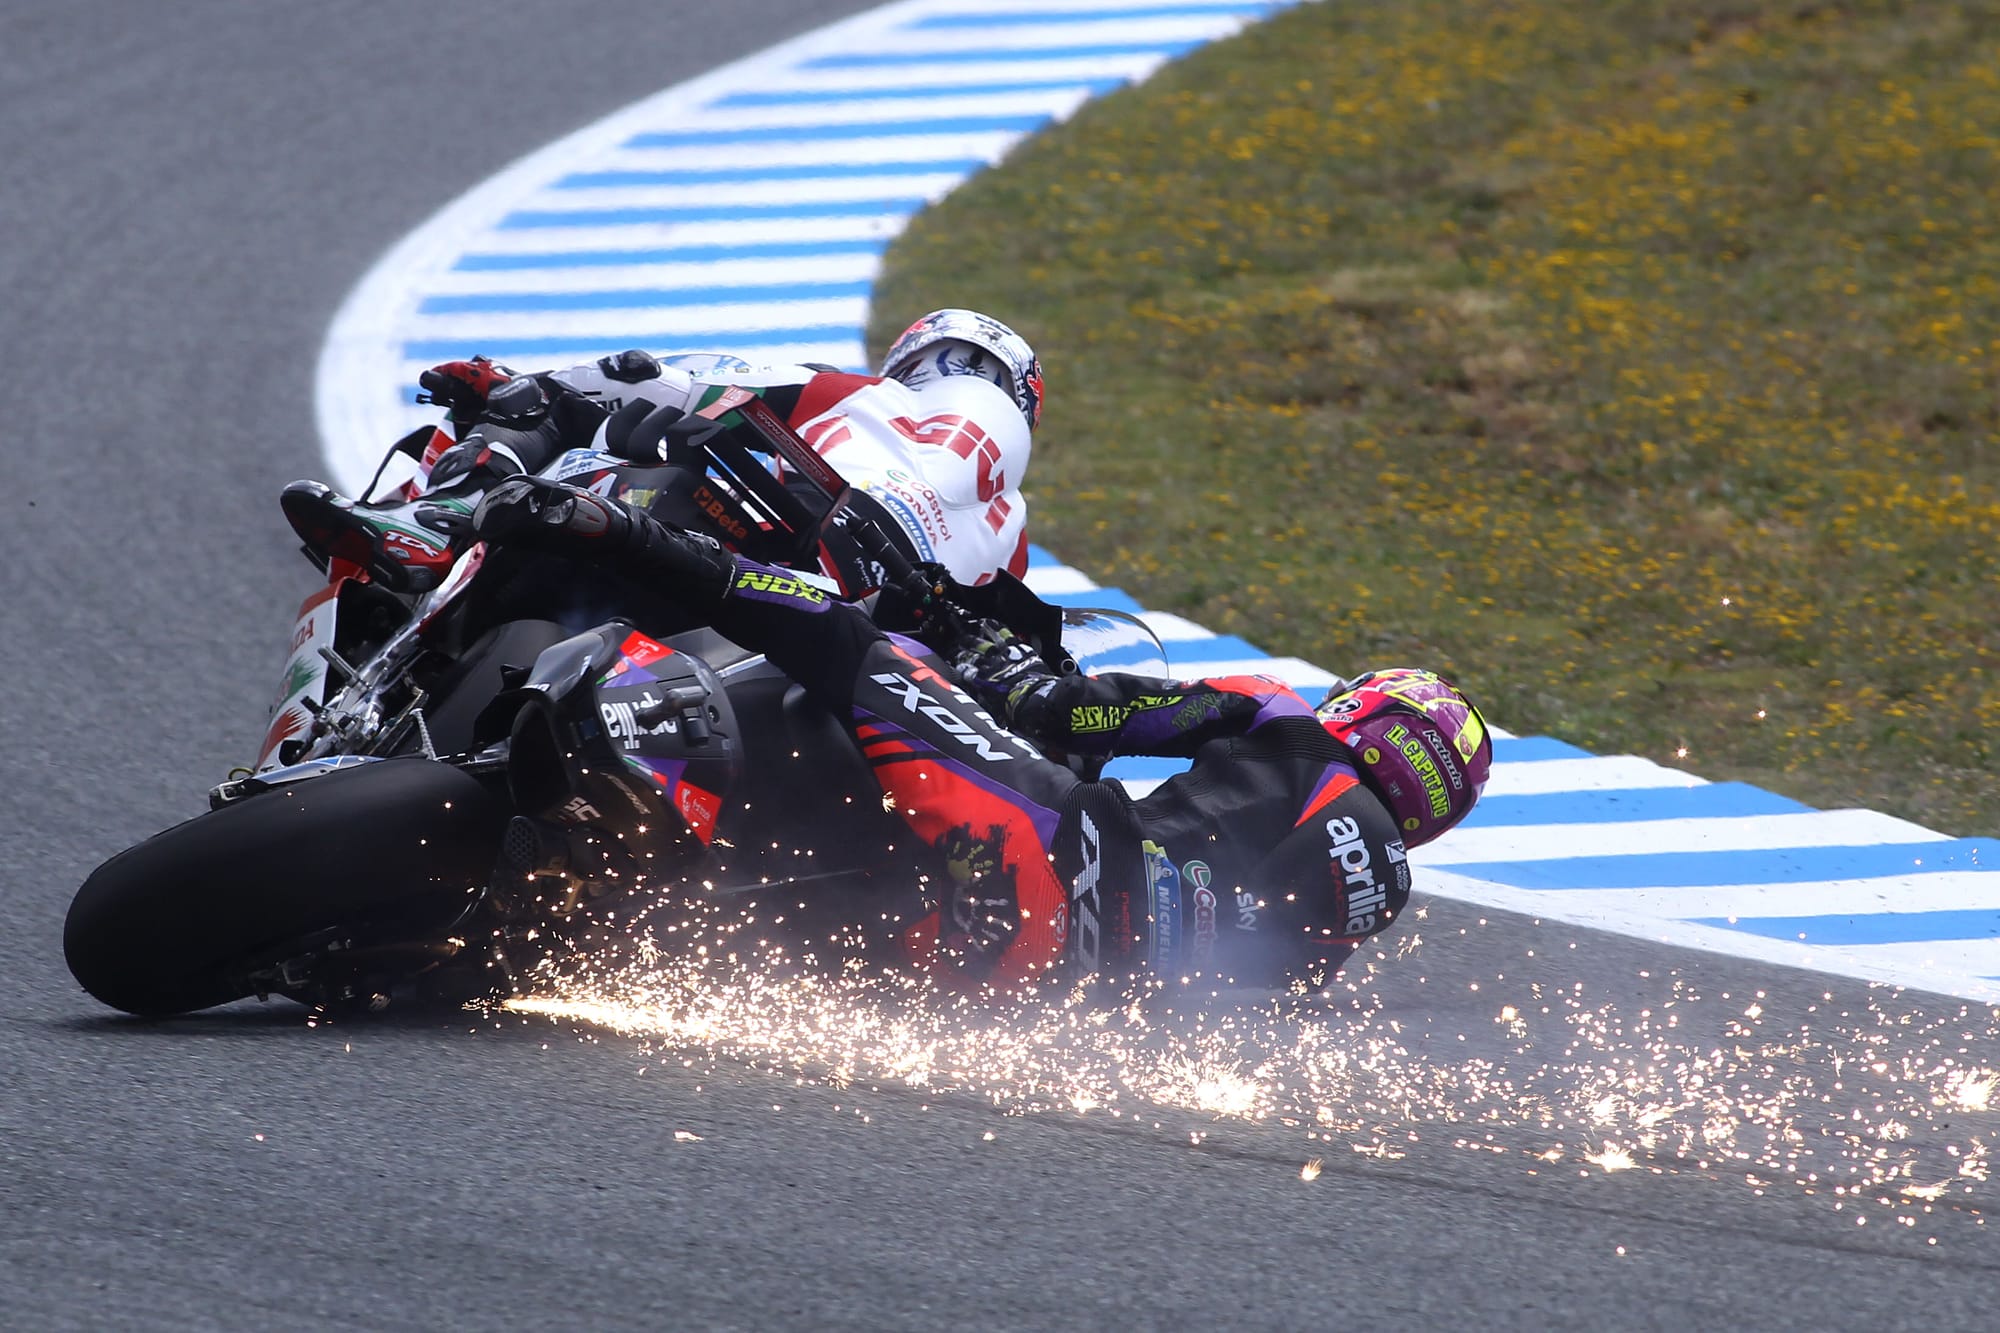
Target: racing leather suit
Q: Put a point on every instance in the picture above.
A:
(942, 465)
(1267, 861)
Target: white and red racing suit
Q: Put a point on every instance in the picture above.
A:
(944, 463)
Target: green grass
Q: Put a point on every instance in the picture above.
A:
(1633, 363)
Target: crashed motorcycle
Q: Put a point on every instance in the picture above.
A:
(487, 762)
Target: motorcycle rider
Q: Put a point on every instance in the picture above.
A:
(935, 445)
(1268, 861)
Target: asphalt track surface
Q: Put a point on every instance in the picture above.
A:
(192, 189)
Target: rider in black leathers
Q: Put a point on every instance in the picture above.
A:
(1266, 862)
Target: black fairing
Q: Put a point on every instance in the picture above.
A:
(618, 732)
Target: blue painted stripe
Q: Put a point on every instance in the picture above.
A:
(986, 56)
(1875, 928)
(527, 349)
(825, 96)
(1109, 599)
(867, 129)
(1128, 657)
(677, 254)
(1778, 865)
(461, 302)
(805, 171)
(625, 217)
(1715, 800)
(1049, 18)
(1219, 648)
(1144, 768)
(1534, 749)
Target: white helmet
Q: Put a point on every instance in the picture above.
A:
(965, 342)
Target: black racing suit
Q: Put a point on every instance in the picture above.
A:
(1267, 861)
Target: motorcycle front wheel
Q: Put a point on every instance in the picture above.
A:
(181, 921)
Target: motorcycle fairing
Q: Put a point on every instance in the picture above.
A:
(632, 738)
(303, 686)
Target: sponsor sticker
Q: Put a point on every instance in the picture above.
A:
(579, 461)
(643, 651)
(1413, 750)
(622, 724)
(1363, 896)
(699, 808)
(774, 584)
(1163, 888)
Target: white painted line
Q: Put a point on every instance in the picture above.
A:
(744, 194)
(1082, 71)
(1551, 842)
(1959, 890)
(1866, 963)
(1001, 42)
(1056, 580)
(605, 277)
(642, 326)
(1301, 675)
(938, 146)
(848, 230)
(1613, 773)
(1057, 102)
(835, 351)
(1172, 628)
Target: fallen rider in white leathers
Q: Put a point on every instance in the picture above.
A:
(939, 443)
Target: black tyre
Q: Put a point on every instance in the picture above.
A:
(175, 923)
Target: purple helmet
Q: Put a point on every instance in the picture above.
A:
(1422, 745)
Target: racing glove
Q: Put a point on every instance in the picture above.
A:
(1005, 676)
(549, 516)
(462, 386)
(630, 366)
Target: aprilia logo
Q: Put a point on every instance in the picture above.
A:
(1365, 897)
(622, 724)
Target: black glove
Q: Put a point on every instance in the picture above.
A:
(462, 386)
(1002, 672)
(549, 516)
(630, 366)
(537, 512)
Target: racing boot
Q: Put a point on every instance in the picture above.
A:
(549, 516)
(405, 548)
(409, 546)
